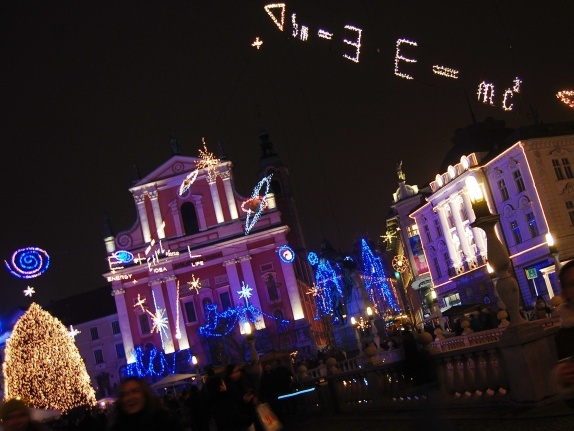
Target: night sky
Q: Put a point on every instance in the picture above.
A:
(90, 89)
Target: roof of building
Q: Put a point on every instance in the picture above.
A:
(84, 307)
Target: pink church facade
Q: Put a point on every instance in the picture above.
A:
(187, 251)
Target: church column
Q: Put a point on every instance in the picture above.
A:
(144, 222)
(177, 312)
(226, 177)
(448, 237)
(153, 196)
(292, 290)
(454, 204)
(159, 303)
(173, 207)
(477, 232)
(124, 321)
(215, 199)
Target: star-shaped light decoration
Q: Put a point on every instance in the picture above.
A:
(194, 284)
(245, 291)
(73, 332)
(140, 302)
(257, 43)
(315, 291)
(389, 236)
(209, 162)
(29, 291)
(159, 321)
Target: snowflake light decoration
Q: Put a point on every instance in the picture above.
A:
(140, 302)
(209, 162)
(245, 292)
(29, 291)
(253, 216)
(257, 43)
(194, 284)
(400, 263)
(159, 321)
(73, 332)
(389, 236)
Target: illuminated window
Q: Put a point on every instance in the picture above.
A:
(567, 169)
(412, 230)
(115, 327)
(516, 232)
(427, 233)
(99, 356)
(452, 300)
(562, 168)
(120, 352)
(94, 333)
(532, 224)
(570, 208)
(190, 312)
(518, 180)
(144, 324)
(503, 191)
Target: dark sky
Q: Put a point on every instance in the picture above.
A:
(90, 88)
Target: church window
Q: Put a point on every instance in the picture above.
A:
(189, 218)
(532, 224)
(190, 312)
(503, 190)
(516, 232)
(520, 187)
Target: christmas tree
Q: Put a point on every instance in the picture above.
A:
(43, 366)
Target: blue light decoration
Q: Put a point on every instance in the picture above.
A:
(123, 256)
(376, 283)
(313, 258)
(261, 198)
(221, 324)
(330, 295)
(28, 262)
(286, 254)
(154, 363)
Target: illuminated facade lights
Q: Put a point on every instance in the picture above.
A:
(209, 162)
(324, 34)
(567, 97)
(447, 72)
(253, 216)
(486, 92)
(257, 43)
(28, 262)
(354, 43)
(280, 23)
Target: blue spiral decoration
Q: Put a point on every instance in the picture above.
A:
(28, 262)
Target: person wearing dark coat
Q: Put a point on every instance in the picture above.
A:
(139, 409)
(228, 413)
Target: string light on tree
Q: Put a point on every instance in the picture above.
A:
(567, 97)
(29, 291)
(43, 366)
(399, 57)
(154, 363)
(28, 262)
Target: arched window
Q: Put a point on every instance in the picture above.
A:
(189, 218)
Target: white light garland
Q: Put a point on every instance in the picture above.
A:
(177, 331)
(399, 57)
(567, 97)
(279, 22)
(324, 34)
(356, 43)
(445, 71)
(486, 91)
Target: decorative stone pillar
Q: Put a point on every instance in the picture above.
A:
(144, 222)
(226, 177)
(455, 211)
(215, 200)
(453, 253)
(478, 235)
(159, 225)
(292, 290)
(123, 318)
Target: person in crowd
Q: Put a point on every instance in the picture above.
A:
(241, 389)
(228, 413)
(564, 371)
(139, 409)
(15, 416)
(541, 308)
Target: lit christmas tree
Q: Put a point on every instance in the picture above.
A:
(43, 366)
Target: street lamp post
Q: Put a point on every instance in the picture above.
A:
(498, 258)
(355, 324)
(250, 338)
(554, 252)
(198, 379)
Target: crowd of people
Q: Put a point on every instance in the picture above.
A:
(226, 402)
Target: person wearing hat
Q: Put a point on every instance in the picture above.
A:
(15, 416)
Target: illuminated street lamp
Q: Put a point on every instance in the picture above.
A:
(356, 324)
(498, 258)
(554, 252)
(245, 329)
(198, 379)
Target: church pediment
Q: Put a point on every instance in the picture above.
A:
(177, 165)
